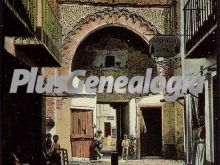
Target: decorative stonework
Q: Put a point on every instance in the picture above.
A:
(117, 17)
(119, 2)
(79, 21)
(73, 16)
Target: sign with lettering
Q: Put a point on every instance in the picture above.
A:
(164, 46)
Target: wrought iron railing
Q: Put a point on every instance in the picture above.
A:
(200, 17)
(25, 10)
(39, 19)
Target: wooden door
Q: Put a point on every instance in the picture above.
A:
(81, 133)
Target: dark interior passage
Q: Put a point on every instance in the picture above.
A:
(151, 132)
(107, 126)
(108, 38)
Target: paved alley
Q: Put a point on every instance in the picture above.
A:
(131, 162)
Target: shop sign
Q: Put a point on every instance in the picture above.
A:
(164, 46)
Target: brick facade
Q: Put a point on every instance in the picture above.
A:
(54, 5)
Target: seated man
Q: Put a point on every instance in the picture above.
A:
(55, 150)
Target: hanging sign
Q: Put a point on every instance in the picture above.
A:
(164, 46)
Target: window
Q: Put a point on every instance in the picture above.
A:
(110, 61)
(114, 133)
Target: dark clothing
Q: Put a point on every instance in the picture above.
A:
(56, 158)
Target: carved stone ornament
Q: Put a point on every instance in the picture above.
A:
(74, 16)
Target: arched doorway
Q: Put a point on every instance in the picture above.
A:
(113, 51)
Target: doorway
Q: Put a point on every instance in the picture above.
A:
(82, 132)
(107, 128)
(151, 132)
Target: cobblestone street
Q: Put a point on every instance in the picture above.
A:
(131, 162)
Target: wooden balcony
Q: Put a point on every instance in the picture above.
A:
(35, 21)
(200, 28)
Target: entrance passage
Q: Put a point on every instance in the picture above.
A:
(82, 133)
(106, 122)
(151, 132)
(107, 129)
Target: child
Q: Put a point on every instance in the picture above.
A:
(125, 147)
(48, 140)
(55, 150)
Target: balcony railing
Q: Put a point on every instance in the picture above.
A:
(40, 22)
(25, 11)
(200, 18)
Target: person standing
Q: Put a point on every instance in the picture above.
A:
(48, 153)
(200, 151)
(125, 147)
(132, 147)
(48, 140)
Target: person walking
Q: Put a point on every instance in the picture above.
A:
(98, 144)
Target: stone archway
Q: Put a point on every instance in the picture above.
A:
(101, 19)
(72, 40)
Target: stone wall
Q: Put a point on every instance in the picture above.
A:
(179, 129)
(169, 150)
